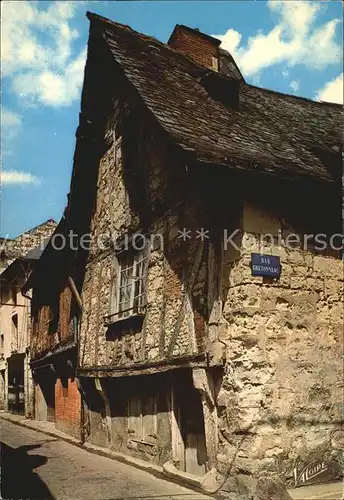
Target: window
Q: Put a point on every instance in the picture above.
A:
(2, 343)
(15, 331)
(131, 283)
(128, 287)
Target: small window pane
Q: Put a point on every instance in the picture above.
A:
(129, 289)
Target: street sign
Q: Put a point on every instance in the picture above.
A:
(265, 265)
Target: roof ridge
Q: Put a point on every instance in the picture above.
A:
(182, 57)
(93, 16)
(302, 98)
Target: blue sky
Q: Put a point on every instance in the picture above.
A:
(292, 47)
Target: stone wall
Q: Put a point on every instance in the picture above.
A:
(281, 396)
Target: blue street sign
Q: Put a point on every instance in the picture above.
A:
(265, 265)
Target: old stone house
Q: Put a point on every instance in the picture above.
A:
(18, 258)
(187, 357)
(54, 329)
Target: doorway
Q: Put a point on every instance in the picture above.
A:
(46, 380)
(188, 432)
(16, 384)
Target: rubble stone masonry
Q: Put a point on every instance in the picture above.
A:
(281, 400)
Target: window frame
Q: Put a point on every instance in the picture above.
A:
(15, 331)
(135, 310)
(139, 257)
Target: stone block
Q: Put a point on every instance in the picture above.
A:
(296, 257)
(328, 266)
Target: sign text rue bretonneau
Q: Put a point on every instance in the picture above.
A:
(265, 265)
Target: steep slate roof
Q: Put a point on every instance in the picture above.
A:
(270, 132)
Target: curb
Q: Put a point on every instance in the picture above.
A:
(153, 469)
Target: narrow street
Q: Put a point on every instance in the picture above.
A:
(36, 466)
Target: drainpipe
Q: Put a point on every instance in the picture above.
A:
(78, 299)
(26, 296)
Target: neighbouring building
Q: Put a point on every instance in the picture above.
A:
(187, 356)
(11, 248)
(54, 330)
(18, 257)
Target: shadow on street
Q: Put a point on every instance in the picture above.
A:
(18, 481)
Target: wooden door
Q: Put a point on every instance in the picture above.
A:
(190, 422)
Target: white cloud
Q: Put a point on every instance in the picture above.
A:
(294, 85)
(295, 39)
(9, 118)
(11, 123)
(52, 88)
(11, 177)
(10, 128)
(256, 79)
(285, 73)
(37, 51)
(332, 91)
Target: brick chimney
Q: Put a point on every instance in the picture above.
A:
(202, 48)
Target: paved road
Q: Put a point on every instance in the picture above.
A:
(36, 466)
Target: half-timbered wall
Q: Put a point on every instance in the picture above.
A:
(133, 195)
